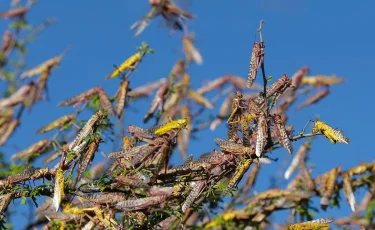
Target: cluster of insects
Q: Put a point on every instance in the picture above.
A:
(136, 186)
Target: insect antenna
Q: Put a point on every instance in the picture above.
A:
(304, 128)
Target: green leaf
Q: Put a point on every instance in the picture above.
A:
(23, 199)
(21, 47)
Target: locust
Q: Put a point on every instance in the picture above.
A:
(348, 191)
(146, 90)
(132, 151)
(97, 117)
(60, 122)
(89, 156)
(32, 97)
(5, 116)
(329, 187)
(43, 83)
(236, 108)
(105, 102)
(299, 157)
(262, 135)
(5, 201)
(234, 148)
(178, 69)
(45, 66)
(7, 41)
(298, 77)
(191, 53)
(17, 97)
(185, 169)
(134, 156)
(199, 99)
(169, 11)
(56, 154)
(106, 219)
(141, 133)
(132, 181)
(9, 129)
(197, 188)
(169, 126)
(278, 86)
(362, 168)
(103, 198)
(140, 203)
(257, 58)
(322, 223)
(25, 175)
(278, 193)
(141, 25)
(234, 117)
(306, 175)
(38, 147)
(17, 12)
(314, 98)
(58, 216)
(157, 102)
(129, 63)
(245, 128)
(250, 181)
(121, 95)
(281, 133)
(238, 174)
(58, 191)
(139, 219)
(128, 143)
(41, 173)
(157, 191)
(162, 156)
(224, 108)
(236, 81)
(183, 137)
(321, 80)
(200, 164)
(333, 135)
(76, 100)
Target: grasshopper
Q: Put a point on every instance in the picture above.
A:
(257, 58)
(333, 135)
(105, 102)
(140, 203)
(281, 133)
(300, 156)
(235, 116)
(97, 117)
(60, 122)
(89, 156)
(329, 187)
(238, 174)
(39, 147)
(129, 63)
(25, 175)
(121, 95)
(197, 188)
(279, 87)
(322, 223)
(79, 98)
(191, 53)
(314, 98)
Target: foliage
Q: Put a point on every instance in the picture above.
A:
(137, 188)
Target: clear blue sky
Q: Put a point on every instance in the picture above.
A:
(331, 37)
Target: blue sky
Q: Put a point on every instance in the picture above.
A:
(330, 37)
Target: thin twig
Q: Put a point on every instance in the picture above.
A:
(262, 66)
